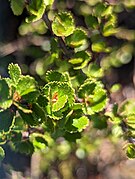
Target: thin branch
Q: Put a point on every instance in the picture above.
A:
(67, 52)
(47, 21)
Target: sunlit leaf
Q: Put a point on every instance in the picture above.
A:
(81, 123)
(74, 114)
(38, 141)
(100, 47)
(63, 24)
(14, 72)
(102, 9)
(55, 89)
(130, 151)
(26, 85)
(127, 108)
(94, 95)
(80, 59)
(49, 2)
(116, 87)
(130, 121)
(94, 70)
(36, 9)
(76, 39)
(60, 103)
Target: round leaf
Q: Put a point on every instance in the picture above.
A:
(36, 9)
(94, 95)
(63, 24)
(17, 6)
(76, 39)
(91, 21)
(80, 59)
(131, 151)
(81, 123)
(26, 85)
(14, 72)
(127, 108)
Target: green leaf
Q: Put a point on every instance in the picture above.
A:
(26, 85)
(77, 106)
(115, 88)
(109, 27)
(3, 138)
(28, 118)
(127, 108)
(60, 103)
(33, 118)
(36, 9)
(99, 121)
(130, 151)
(94, 95)
(24, 108)
(24, 147)
(117, 130)
(14, 72)
(42, 101)
(39, 112)
(49, 2)
(80, 59)
(56, 115)
(6, 120)
(99, 99)
(101, 9)
(2, 154)
(91, 21)
(74, 114)
(76, 39)
(38, 141)
(31, 97)
(17, 6)
(81, 123)
(72, 137)
(130, 121)
(54, 90)
(109, 30)
(94, 71)
(75, 61)
(55, 76)
(63, 24)
(5, 101)
(86, 89)
(99, 46)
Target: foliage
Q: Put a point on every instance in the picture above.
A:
(73, 97)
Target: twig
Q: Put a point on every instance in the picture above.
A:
(67, 52)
